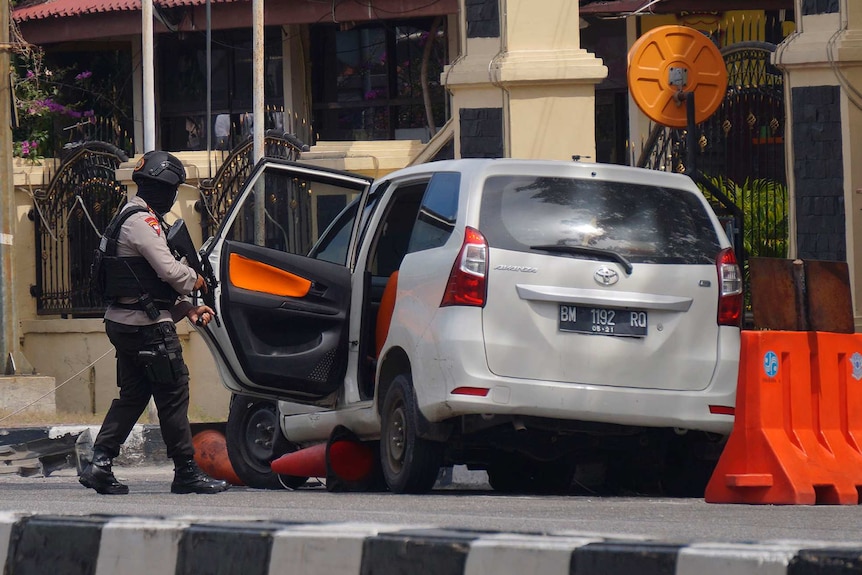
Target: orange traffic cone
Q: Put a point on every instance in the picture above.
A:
(352, 464)
(307, 462)
(347, 463)
(350, 460)
(211, 456)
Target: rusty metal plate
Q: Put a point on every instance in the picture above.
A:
(830, 307)
(797, 295)
(774, 297)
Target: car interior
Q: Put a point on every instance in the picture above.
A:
(380, 277)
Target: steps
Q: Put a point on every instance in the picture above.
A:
(369, 158)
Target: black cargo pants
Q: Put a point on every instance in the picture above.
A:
(149, 363)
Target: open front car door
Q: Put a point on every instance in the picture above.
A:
(284, 314)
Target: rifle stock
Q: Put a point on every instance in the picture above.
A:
(181, 243)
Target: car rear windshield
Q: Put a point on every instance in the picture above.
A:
(642, 223)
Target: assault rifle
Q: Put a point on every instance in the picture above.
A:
(180, 242)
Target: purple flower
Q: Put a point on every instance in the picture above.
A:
(31, 74)
(84, 75)
(52, 105)
(25, 148)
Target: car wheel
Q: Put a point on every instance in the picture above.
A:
(410, 464)
(254, 440)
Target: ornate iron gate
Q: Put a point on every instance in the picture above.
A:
(218, 194)
(70, 215)
(740, 151)
(84, 195)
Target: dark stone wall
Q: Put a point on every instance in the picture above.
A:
(481, 132)
(483, 18)
(819, 7)
(819, 173)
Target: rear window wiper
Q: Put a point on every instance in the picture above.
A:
(595, 252)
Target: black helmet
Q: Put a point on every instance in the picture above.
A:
(159, 167)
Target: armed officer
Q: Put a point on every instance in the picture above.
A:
(147, 288)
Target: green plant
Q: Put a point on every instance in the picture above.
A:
(763, 204)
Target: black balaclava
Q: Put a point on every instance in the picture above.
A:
(158, 195)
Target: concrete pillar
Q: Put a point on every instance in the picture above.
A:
(7, 303)
(137, 97)
(822, 63)
(521, 85)
(12, 359)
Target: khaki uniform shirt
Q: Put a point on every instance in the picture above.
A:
(142, 235)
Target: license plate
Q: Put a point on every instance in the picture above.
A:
(603, 321)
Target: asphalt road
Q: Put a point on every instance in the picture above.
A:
(664, 519)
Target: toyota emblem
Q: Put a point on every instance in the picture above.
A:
(606, 276)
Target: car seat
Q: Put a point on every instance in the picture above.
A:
(384, 312)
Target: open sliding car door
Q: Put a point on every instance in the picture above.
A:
(284, 315)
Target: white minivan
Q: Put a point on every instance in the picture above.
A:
(529, 318)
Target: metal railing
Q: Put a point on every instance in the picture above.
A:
(218, 194)
(740, 155)
(83, 196)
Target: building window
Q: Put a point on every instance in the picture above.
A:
(183, 83)
(367, 80)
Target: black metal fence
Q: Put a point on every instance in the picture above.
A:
(218, 193)
(70, 216)
(740, 153)
(73, 210)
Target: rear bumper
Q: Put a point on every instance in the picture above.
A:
(622, 406)
(466, 366)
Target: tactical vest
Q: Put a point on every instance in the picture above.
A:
(115, 277)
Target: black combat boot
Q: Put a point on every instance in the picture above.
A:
(188, 478)
(98, 475)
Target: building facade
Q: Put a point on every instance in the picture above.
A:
(496, 78)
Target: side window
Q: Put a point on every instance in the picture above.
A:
(438, 213)
(294, 211)
(334, 243)
(283, 221)
(332, 247)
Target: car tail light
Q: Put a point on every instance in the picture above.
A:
(467, 282)
(722, 410)
(475, 391)
(730, 295)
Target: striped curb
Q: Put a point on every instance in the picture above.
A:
(103, 545)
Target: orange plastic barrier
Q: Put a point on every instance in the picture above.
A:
(839, 379)
(798, 425)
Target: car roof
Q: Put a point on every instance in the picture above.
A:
(485, 167)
